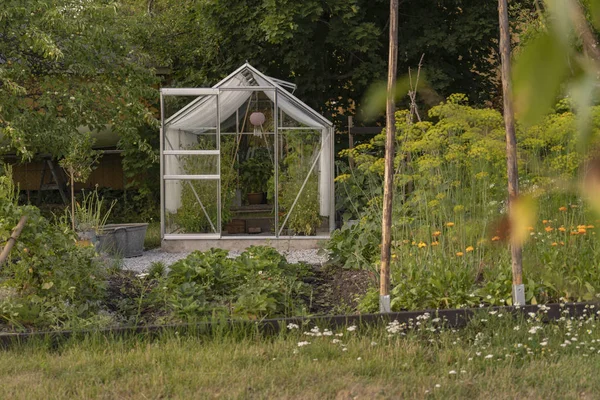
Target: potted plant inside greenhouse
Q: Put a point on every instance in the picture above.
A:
(255, 173)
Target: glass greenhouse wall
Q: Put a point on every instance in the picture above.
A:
(245, 158)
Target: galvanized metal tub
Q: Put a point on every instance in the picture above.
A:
(123, 240)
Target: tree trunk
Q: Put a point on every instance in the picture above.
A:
(511, 150)
(386, 224)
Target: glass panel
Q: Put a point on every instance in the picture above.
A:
(247, 168)
(192, 164)
(191, 206)
(299, 170)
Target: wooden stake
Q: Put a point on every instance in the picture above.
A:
(386, 223)
(12, 239)
(511, 150)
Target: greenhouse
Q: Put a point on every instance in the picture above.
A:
(244, 159)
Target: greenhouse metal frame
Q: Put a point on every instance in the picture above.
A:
(192, 163)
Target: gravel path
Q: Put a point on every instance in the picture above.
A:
(143, 262)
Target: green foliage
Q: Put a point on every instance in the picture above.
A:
(191, 217)
(304, 218)
(450, 201)
(560, 58)
(47, 279)
(256, 172)
(90, 213)
(259, 283)
(64, 67)
(9, 192)
(289, 40)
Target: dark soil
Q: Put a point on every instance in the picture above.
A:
(339, 291)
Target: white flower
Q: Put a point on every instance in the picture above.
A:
(489, 356)
(300, 344)
(437, 385)
(516, 328)
(373, 343)
(359, 358)
(453, 372)
(292, 326)
(335, 341)
(351, 328)
(339, 334)
(534, 329)
(344, 349)
(462, 371)
(260, 272)
(543, 344)
(143, 275)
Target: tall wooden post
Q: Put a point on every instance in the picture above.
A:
(386, 224)
(518, 292)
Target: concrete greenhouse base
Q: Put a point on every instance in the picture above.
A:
(242, 243)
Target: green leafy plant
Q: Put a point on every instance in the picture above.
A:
(304, 217)
(8, 190)
(256, 172)
(258, 283)
(192, 217)
(90, 213)
(49, 280)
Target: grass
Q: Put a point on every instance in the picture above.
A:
(558, 360)
(152, 239)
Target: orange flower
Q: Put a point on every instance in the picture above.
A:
(421, 245)
(590, 226)
(581, 230)
(562, 243)
(459, 254)
(495, 238)
(563, 208)
(469, 249)
(449, 224)
(573, 233)
(530, 228)
(545, 221)
(436, 233)
(549, 229)
(562, 229)
(435, 243)
(554, 244)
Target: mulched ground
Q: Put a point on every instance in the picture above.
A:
(338, 291)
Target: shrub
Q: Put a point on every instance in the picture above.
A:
(47, 278)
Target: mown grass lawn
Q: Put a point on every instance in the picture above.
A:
(493, 358)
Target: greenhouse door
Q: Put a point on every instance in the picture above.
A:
(191, 165)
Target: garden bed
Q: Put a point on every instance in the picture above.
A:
(403, 321)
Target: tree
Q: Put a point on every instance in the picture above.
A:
(332, 49)
(67, 64)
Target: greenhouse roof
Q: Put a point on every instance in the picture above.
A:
(234, 91)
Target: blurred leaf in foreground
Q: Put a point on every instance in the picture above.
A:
(375, 98)
(538, 74)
